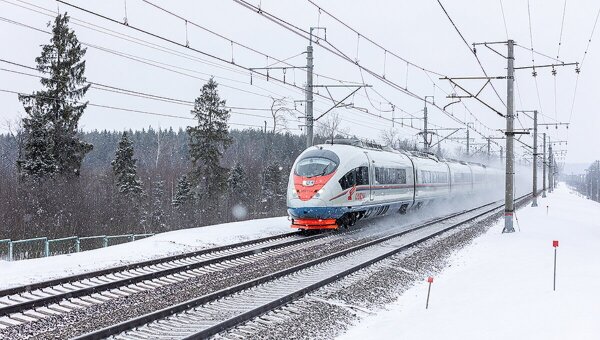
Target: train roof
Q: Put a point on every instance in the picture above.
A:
(369, 145)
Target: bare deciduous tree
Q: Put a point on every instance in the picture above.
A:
(330, 127)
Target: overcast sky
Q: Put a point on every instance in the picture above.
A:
(417, 31)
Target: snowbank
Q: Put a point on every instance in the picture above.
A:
(500, 287)
(175, 242)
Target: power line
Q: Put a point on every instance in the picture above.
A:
(321, 9)
(142, 61)
(504, 19)
(235, 65)
(191, 48)
(336, 51)
(150, 62)
(469, 47)
(562, 25)
(108, 88)
(117, 108)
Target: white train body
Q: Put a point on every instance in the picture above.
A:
(337, 184)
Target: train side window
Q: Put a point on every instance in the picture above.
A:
(362, 175)
(348, 180)
(400, 176)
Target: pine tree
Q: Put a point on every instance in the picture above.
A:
(183, 193)
(125, 169)
(207, 142)
(52, 145)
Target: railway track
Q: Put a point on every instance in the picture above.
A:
(23, 306)
(27, 304)
(220, 310)
(85, 289)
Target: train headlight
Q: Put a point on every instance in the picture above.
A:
(294, 194)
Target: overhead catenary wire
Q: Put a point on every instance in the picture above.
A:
(336, 51)
(504, 19)
(562, 25)
(220, 59)
(581, 64)
(108, 88)
(124, 109)
(469, 47)
(359, 111)
(386, 51)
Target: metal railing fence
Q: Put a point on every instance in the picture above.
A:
(43, 247)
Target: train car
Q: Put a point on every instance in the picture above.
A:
(335, 185)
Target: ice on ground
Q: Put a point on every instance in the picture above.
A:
(501, 287)
(175, 242)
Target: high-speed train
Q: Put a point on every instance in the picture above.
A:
(334, 185)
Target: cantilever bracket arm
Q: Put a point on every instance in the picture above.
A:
(441, 140)
(475, 95)
(337, 104)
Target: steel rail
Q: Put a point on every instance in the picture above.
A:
(6, 310)
(208, 298)
(232, 322)
(131, 266)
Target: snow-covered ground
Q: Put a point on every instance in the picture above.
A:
(35, 270)
(500, 287)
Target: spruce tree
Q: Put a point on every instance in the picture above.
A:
(207, 142)
(125, 169)
(183, 193)
(273, 189)
(52, 145)
(237, 184)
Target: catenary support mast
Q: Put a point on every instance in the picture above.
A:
(535, 155)
(544, 165)
(510, 116)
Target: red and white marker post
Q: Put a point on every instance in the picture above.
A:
(555, 245)
(430, 280)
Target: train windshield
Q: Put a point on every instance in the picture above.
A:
(315, 166)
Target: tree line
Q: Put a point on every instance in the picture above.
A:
(158, 196)
(587, 184)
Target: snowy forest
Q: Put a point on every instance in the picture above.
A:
(56, 180)
(92, 203)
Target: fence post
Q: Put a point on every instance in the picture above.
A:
(77, 244)
(10, 251)
(46, 248)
